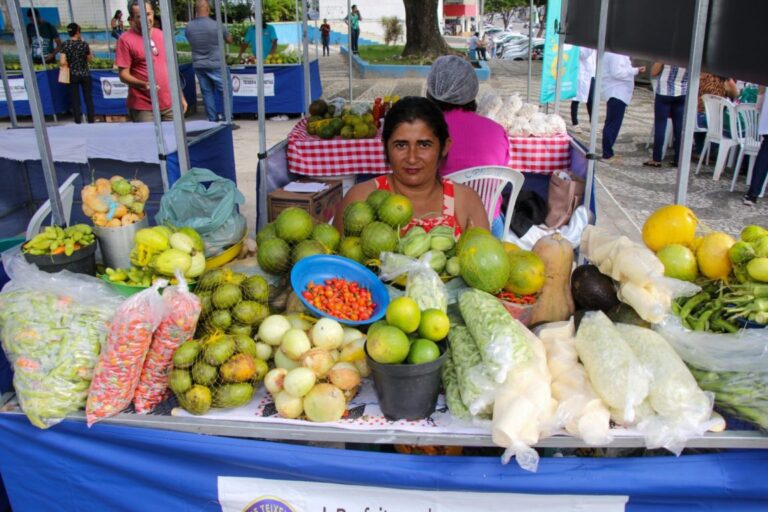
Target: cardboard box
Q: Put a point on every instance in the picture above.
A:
(320, 205)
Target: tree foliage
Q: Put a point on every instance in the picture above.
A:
(393, 29)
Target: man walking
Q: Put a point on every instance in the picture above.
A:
(203, 36)
(131, 63)
(617, 88)
(48, 44)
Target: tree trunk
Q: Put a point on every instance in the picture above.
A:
(423, 37)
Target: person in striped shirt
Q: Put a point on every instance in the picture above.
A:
(671, 88)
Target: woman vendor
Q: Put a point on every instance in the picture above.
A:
(416, 143)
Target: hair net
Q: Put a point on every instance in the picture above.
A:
(452, 80)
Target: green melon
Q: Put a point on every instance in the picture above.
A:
(351, 248)
(357, 215)
(378, 237)
(377, 197)
(327, 235)
(256, 288)
(274, 256)
(468, 235)
(484, 263)
(294, 225)
(267, 232)
(396, 210)
(307, 248)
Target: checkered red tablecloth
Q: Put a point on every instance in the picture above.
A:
(312, 156)
(540, 155)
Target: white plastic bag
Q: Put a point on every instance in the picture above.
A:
(423, 284)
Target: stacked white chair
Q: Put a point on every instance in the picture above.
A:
(715, 107)
(747, 138)
(489, 181)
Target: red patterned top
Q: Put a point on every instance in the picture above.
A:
(446, 218)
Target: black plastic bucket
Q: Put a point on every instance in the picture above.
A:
(82, 261)
(407, 391)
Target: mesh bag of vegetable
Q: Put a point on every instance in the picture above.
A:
(232, 302)
(52, 327)
(217, 370)
(120, 363)
(182, 310)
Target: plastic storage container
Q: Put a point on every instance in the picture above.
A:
(82, 261)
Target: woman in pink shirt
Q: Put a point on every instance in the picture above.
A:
(477, 140)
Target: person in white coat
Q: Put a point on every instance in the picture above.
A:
(617, 87)
(585, 91)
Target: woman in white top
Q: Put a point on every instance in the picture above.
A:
(617, 88)
(757, 185)
(585, 91)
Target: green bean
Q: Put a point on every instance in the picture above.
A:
(693, 302)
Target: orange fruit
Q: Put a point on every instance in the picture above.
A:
(423, 351)
(526, 273)
(434, 324)
(404, 313)
(713, 255)
(388, 345)
(671, 224)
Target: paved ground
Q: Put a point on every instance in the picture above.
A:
(626, 191)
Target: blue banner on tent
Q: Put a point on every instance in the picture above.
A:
(111, 467)
(53, 95)
(569, 69)
(283, 88)
(109, 93)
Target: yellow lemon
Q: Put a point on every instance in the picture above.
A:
(671, 224)
(712, 255)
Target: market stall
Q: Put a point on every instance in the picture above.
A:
(103, 150)
(283, 88)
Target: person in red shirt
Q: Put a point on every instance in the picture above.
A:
(325, 35)
(132, 65)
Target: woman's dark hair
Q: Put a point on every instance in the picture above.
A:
(447, 107)
(117, 13)
(410, 109)
(72, 29)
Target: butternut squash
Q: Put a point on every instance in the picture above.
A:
(555, 302)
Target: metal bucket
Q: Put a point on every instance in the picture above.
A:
(116, 243)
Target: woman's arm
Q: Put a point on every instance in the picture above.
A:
(656, 68)
(469, 209)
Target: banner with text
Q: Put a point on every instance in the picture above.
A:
(113, 89)
(18, 90)
(238, 494)
(248, 84)
(569, 69)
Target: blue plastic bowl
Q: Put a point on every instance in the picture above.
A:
(319, 268)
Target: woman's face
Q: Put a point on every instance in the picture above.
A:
(414, 153)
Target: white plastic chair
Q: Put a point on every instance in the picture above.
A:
(714, 107)
(747, 138)
(489, 181)
(67, 193)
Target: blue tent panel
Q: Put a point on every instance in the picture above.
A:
(112, 467)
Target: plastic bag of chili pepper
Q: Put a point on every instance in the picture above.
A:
(178, 325)
(120, 363)
(519, 306)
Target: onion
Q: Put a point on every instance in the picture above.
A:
(344, 376)
(351, 334)
(273, 381)
(324, 403)
(350, 393)
(288, 406)
(273, 328)
(298, 321)
(299, 381)
(335, 355)
(362, 367)
(294, 343)
(318, 360)
(263, 351)
(327, 334)
(283, 361)
(353, 351)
